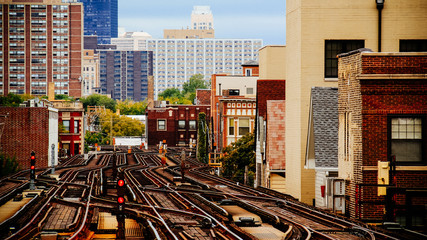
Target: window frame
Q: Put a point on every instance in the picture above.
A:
(231, 128)
(343, 49)
(66, 128)
(76, 126)
(190, 125)
(423, 138)
(417, 44)
(165, 124)
(248, 127)
(179, 124)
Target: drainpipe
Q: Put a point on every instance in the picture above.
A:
(380, 6)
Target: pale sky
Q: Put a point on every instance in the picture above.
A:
(232, 18)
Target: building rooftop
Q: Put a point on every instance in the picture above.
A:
(325, 125)
(251, 63)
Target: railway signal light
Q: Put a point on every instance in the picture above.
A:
(33, 165)
(121, 190)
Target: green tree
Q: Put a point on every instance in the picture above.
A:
(7, 165)
(11, 100)
(171, 92)
(121, 125)
(128, 107)
(237, 156)
(99, 100)
(196, 82)
(63, 97)
(202, 153)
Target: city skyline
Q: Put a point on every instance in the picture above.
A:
(257, 20)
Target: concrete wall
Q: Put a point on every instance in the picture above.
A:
(308, 24)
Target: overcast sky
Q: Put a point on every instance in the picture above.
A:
(232, 18)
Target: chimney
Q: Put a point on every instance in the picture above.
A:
(51, 92)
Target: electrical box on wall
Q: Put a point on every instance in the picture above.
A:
(383, 177)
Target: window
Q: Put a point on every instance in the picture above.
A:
(76, 126)
(413, 45)
(243, 126)
(233, 92)
(66, 125)
(181, 124)
(192, 124)
(161, 125)
(249, 90)
(231, 126)
(335, 47)
(407, 139)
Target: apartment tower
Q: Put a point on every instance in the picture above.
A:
(41, 42)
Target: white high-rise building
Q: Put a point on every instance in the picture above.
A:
(132, 41)
(176, 60)
(202, 18)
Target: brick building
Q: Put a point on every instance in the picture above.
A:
(382, 108)
(71, 136)
(224, 89)
(237, 117)
(203, 97)
(177, 124)
(41, 43)
(29, 129)
(270, 118)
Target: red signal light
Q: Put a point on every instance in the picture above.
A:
(32, 167)
(33, 157)
(121, 183)
(120, 200)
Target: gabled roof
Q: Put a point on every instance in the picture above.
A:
(323, 126)
(251, 63)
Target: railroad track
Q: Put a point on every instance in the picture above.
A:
(161, 204)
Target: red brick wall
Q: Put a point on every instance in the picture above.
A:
(382, 98)
(172, 115)
(203, 96)
(255, 70)
(394, 64)
(276, 134)
(26, 130)
(269, 90)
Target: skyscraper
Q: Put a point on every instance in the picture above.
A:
(201, 18)
(40, 42)
(125, 74)
(101, 18)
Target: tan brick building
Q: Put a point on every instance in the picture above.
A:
(318, 30)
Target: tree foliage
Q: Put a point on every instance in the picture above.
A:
(188, 93)
(196, 82)
(8, 165)
(99, 100)
(202, 153)
(122, 125)
(129, 107)
(11, 100)
(237, 156)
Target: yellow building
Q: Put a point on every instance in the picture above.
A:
(270, 140)
(316, 31)
(188, 33)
